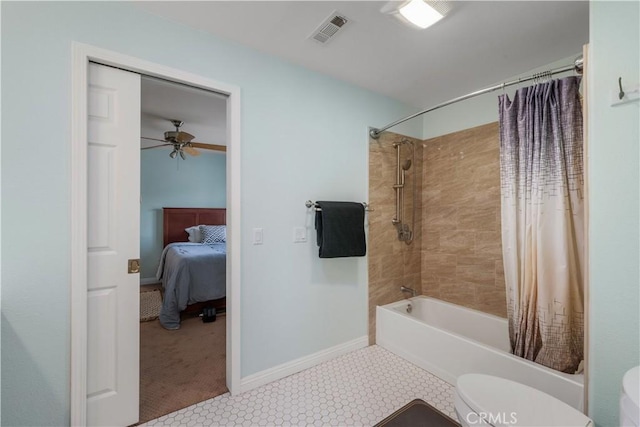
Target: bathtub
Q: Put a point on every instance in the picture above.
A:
(449, 340)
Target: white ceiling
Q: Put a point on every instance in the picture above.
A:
(204, 113)
(478, 44)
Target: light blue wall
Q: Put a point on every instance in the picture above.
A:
(304, 136)
(198, 182)
(614, 180)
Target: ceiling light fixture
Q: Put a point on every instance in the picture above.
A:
(420, 13)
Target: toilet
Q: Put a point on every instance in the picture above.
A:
(629, 407)
(485, 400)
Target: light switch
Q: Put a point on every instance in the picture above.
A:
(257, 236)
(299, 235)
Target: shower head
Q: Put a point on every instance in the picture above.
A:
(406, 165)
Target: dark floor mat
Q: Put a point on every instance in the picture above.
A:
(417, 413)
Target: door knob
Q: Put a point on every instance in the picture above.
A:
(134, 266)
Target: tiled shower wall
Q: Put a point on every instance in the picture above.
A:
(461, 247)
(392, 263)
(456, 255)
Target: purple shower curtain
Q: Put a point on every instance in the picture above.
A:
(541, 172)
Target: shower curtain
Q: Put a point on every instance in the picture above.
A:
(541, 172)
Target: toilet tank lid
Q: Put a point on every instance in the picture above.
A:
(631, 384)
(509, 403)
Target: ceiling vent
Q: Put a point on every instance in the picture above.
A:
(329, 28)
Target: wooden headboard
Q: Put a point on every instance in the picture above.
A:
(175, 220)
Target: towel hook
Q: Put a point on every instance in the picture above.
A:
(621, 93)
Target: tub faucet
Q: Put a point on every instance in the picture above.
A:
(405, 289)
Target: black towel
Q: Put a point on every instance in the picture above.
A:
(340, 229)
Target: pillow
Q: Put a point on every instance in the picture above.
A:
(213, 233)
(194, 234)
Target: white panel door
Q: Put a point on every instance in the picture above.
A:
(113, 238)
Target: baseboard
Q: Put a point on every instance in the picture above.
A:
(278, 372)
(148, 281)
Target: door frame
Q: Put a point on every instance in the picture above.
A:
(82, 54)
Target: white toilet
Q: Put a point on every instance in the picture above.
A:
(485, 400)
(629, 407)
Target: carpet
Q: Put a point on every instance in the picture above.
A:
(182, 367)
(417, 413)
(150, 302)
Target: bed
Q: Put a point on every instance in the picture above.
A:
(193, 274)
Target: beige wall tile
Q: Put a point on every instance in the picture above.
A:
(457, 241)
(392, 263)
(412, 260)
(432, 291)
(431, 241)
(461, 247)
(489, 243)
(438, 216)
(457, 191)
(477, 218)
(457, 292)
(439, 264)
(480, 271)
(413, 281)
(456, 255)
(488, 174)
(500, 281)
(492, 300)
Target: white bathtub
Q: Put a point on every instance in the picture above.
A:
(449, 340)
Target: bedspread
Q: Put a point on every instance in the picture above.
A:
(190, 273)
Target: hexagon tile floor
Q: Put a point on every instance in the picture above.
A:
(360, 388)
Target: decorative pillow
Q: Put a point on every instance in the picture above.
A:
(213, 233)
(194, 234)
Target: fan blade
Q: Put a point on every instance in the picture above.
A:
(209, 146)
(155, 146)
(153, 139)
(184, 137)
(191, 151)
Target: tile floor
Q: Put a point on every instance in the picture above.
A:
(360, 388)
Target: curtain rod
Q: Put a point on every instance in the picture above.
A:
(577, 67)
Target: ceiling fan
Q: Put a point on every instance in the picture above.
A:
(182, 142)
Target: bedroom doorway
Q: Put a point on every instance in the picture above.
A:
(97, 363)
(183, 195)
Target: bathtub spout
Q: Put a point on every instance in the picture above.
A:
(405, 289)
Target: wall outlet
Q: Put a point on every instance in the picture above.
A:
(257, 236)
(299, 235)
